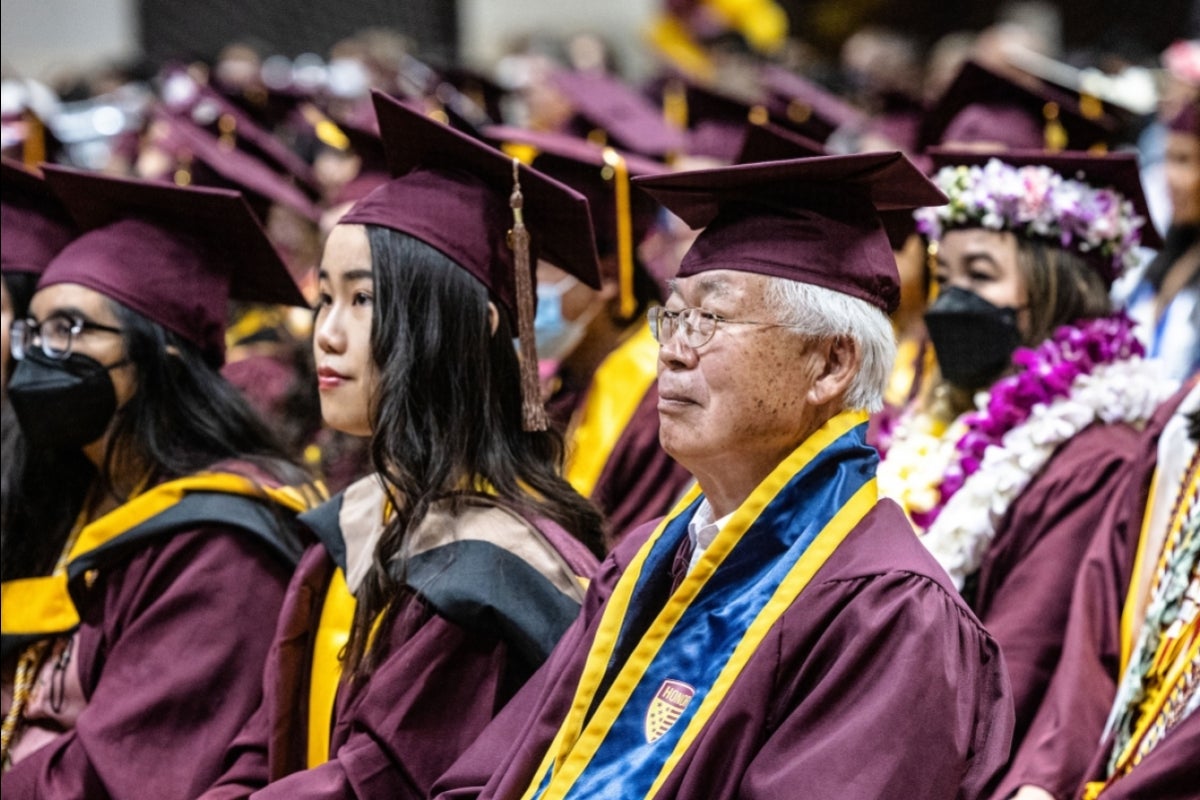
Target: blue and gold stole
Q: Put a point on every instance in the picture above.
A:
(685, 663)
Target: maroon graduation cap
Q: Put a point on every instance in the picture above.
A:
(36, 226)
(982, 106)
(454, 193)
(174, 254)
(813, 220)
(202, 159)
(622, 115)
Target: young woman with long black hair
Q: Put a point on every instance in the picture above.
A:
(450, 573)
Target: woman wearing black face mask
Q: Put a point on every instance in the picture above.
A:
(140, 654)
(1005, 470)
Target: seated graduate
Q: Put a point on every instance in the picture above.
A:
(441, 582)
(782, 633)
(141, 652)
(1006, 465)
(1119, 719)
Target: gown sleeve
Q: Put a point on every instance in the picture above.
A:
(170, 657)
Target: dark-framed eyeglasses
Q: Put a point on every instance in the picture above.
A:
(697, 325)
(55, 335)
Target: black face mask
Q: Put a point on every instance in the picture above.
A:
(973, 339)
(62, 404)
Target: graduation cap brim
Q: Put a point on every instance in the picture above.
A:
(628, 118)
(888, 180)
(1118, 171)
(217, 217)
(239, 170)
(35, 222)
(976, 86)
(771, 142)
(556, 215)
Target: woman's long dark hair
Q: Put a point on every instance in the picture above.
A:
(446, 418)
(184, 417)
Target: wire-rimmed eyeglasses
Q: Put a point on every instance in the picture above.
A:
(697, 325)
(56, 335)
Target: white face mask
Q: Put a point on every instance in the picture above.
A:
(556, 335)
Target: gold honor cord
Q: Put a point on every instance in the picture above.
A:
(620, 383)
(620, 180)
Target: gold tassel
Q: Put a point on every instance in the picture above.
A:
(33, 150)
(1055, 133)
(532, 412)
(620, 180)
(27, 671)
(675, 104)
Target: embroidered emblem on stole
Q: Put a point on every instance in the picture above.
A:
(669, 703)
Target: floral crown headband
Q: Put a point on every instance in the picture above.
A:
(1038, 202)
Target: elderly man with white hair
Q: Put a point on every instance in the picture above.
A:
(781, 633)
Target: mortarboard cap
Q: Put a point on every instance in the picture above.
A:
(201, 159)
(206, 107)
(607, 111)
(982, 106)
(621, 218)
(457, 195)
(771, 142)
(804, 105)
(1085, 225)
(452, 192)
(174, 254)
(812, 220)
(36, 226)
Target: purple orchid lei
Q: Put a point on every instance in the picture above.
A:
(1037, 202)
(1046, 373)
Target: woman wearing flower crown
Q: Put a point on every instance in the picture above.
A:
(1004, 469)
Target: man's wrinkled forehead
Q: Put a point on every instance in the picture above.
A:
(711, 285)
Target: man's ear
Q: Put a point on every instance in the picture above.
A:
(173, 351)
(839, 359)
(493, 316)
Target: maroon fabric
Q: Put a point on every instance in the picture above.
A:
(877, 682)
(452, 193)
(814, 110)
(1187, 120)
(639, 481)
(981, 105)
(212, 163)
(581, 165)
(1023, 595)
(36, 226)
(174, 254)
(171, 652)
(433, 693)
(628, 118)
(812, 220)
(771, 142)
(1171, 771)
(1063, 737)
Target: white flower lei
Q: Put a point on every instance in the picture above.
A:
(1123, 391)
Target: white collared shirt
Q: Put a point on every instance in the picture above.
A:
(702, 530)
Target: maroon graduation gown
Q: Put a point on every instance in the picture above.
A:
(1026, 579)
(1062, 740)
(170, 652)
(441, 682)
(877, 682)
